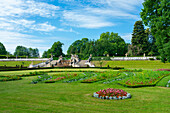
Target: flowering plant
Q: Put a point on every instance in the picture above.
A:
(111, 93)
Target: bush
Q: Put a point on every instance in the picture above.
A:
(158, 58)
(106, 58)
(96, 58)
(10, 78)
(151, 59)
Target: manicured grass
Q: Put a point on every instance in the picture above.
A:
(164, 81)
(21, 96)
(14, 63)
(73, 70)
(152, 65)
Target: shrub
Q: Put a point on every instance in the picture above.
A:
(10, 78)
(151, 59)
(158, 58)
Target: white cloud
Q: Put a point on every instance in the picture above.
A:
(43, 27)
(69, 30)
(119, 4)
(104, 15)
(111, 13)
(14, 14)
(79, 19)
(13, 39)
(17, 8)
(22, 25)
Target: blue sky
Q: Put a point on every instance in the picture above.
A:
(40, 23)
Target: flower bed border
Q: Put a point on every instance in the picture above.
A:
(113, 97)
(144, 85)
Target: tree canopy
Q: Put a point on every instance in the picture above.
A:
(2, 49)
(23, 51)
(55, 50)
(110, 42)
(139, 39)
(155, 14)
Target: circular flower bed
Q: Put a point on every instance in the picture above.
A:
(111, 93)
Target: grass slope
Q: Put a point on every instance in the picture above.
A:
(14, 63)
(72, 70)
(139, 64)
(21, 96)
(164, 82)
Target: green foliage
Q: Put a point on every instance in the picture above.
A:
(109, 43)
(145, 78)
(41, 78)
(152, 47)
(9, 78)
(2, 49)
(23, 51)
(155, 14)
(19, 96)
(105, 53)
(164, 82)
(151, 53)
(151, 59)
(138, 64)
(139, 39)
(33, 52)
(158, 58)
(55, 50)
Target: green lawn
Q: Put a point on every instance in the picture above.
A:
(138, 64)
(72, 70)
(14, 63)
(164, 81)
(21, 96)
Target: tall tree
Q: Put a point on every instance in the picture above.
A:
(139, 38)
(33, 52)
(2, 49)
(21, 51)
(56, 49)
(44, 54)
(155, 14)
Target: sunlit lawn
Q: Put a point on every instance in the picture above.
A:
(14, 63)
(21, 96)
(151, 65)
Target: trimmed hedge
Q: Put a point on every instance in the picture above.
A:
(5, 56)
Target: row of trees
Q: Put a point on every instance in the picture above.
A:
(109, 43)
(152, 41)
(23, 51)
(20, 51)
(155, 14)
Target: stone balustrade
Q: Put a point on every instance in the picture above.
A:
(132, 58)
(26, 59)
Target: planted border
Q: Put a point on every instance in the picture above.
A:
(111, 93)
(144, 80)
